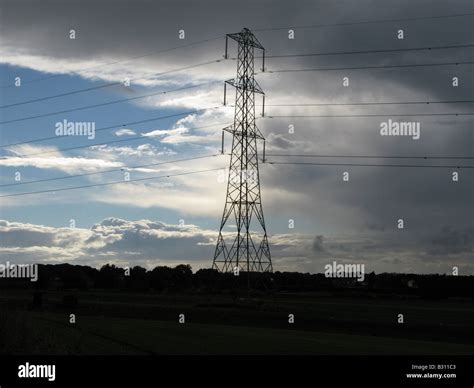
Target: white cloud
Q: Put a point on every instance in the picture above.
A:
(203, 129)
(142, 150)
(142, 73)
(151, 243)
(71, 165)
(113, 239)
(194, 99)
(165, 132)
(49, 158)
(125, 132)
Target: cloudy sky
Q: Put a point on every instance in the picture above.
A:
(175, 220)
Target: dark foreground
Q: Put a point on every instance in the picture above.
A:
(118, 323)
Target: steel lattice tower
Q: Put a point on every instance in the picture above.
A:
(246, 249)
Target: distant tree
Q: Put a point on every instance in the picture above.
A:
(138, 279)
(206, 278)
(72, 276)
(45, 276)
(371, 280)
(110, 276)
(182, 276)
(161, 278)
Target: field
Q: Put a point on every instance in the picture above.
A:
(132, 323)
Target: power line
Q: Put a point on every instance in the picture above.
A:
(271, 105)
(369, 156)
(108, 142)
(107, 103)
(217, 107)
(374, 103)
(377, 115)
(123, 60)
(116, 126)
(260, 29)
(429, 48)
(110, 170)
(106, 85)
(108, 183)
(220, 60)
(366, 22)
(216, 169)
(208, 83)
(369, 165)
(370, 67)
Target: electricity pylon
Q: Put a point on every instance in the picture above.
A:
(242, 247)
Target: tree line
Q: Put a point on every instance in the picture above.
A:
(181, 278)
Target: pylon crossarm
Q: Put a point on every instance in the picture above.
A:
(246, 37)
(246, 83)
(239, 133)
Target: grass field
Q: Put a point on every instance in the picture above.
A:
(127, 323)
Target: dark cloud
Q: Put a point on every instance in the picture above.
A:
(318, 246)
(450, 240)
(13, 237)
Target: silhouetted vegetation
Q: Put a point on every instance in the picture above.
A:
(181, 279)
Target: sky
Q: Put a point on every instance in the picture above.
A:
(168, 221)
